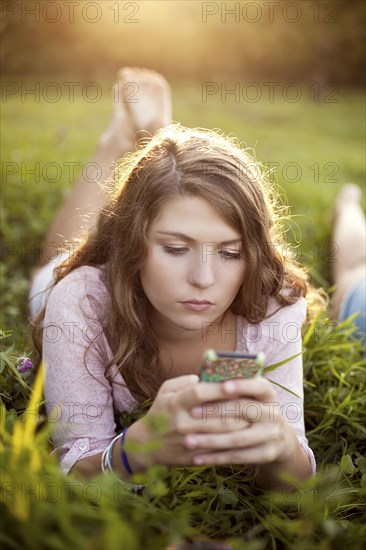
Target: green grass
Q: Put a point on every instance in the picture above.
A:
(219, 503)
(43, 509)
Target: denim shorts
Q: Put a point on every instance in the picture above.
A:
(355, 302)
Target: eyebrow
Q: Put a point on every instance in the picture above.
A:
(190, 240)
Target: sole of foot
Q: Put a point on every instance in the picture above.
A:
(147, 97)
(350, 193)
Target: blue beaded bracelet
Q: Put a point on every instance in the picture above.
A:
(123, 453)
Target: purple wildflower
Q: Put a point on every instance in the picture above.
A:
(25, 365)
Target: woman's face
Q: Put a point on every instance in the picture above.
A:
(194, 267)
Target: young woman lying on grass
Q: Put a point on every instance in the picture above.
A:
(185, 255)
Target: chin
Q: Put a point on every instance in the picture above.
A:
(191, 324)
(199, 322)
(194, 327)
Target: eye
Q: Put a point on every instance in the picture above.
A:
(175, 250)
(227, 255)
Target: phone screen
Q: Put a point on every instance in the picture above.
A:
(222, 365)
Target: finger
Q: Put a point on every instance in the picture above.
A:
(204, 392)
(234, 414)
(239, 408)
(259, 389)
(178, 383)
(243, 438)
(261, 454)
(172, 451)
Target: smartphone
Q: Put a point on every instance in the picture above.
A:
(221, 365)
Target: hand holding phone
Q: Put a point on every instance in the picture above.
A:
(218, 366)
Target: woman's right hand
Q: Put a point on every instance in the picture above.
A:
(167, 407)
(174, 402)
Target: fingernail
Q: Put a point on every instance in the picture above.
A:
(191, 441)
(230, 386)
(196, 411)
(198, 460)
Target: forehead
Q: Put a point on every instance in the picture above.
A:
(195, 217)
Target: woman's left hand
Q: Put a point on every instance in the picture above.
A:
(247, 428)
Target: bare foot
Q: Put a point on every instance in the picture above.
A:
(349, 241)
(349, 193)
(147, 97)
(120, 134)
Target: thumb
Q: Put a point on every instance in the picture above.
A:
(178, 383)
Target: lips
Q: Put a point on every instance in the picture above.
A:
(197, 305)
(197, 302)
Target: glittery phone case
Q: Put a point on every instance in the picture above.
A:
(218, 366)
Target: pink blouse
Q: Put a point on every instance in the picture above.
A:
(81, 400)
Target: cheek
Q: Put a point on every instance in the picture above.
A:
(237, 281)
(157, 272)
(236, 275)
(158, 267)
(242, 273)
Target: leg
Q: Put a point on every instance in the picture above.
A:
(149, 108)
(349, 237)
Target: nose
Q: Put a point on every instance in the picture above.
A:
(201, 273)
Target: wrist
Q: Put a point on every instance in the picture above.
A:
(293, 461)
(290, 445)
(136, 436)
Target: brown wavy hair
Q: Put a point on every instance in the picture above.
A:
(180, 162)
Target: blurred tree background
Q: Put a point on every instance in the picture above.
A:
(302, 41)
